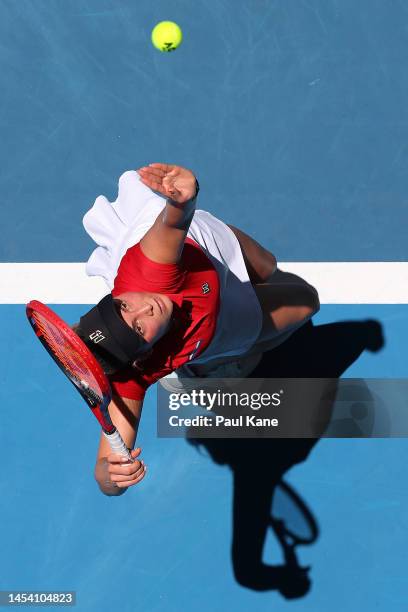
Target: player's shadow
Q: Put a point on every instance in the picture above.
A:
(258, 464)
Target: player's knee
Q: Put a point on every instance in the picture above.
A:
(312, 304)
(267, 266)
(315, 300)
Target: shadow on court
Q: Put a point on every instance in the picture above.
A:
(259, 464)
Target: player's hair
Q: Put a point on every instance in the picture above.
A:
(109, 364)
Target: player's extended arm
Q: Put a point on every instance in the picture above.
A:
(113, 474)
(164, 241)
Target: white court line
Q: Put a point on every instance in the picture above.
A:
(336, 282)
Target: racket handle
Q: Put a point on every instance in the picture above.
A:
(117, 444)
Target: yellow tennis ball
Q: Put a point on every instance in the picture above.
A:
(167, 36)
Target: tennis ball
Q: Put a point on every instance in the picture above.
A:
(167, 36)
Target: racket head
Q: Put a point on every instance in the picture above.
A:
(291, 515)
(74, 359)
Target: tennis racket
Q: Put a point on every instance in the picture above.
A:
(292, 522)
(80, 366)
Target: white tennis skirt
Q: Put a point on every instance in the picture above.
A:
(116, 226)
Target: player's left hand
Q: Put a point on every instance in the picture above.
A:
(174, 182)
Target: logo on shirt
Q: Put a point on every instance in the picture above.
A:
(205, 288)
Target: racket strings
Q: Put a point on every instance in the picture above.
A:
(291, 516)
(69, 357)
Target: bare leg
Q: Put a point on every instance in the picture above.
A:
(286, 301)
(260, 263)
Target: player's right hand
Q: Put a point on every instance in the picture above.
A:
(121, 473)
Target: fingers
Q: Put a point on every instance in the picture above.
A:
(171, 181)
(130, 476)
(159, 181)
(158, 171)
(130, 483)
(147, 171)
(115, 458)
(152, 183)
(152, 179)
(124, 474)
(164, 167)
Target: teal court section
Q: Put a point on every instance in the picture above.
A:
(166, 544)
(293, 115)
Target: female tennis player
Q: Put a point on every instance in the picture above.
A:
(190, 295)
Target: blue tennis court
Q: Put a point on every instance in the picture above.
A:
(294, 116)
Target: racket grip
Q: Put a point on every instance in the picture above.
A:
(117, 445)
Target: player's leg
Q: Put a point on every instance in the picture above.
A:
(286, 301)
(260, 263)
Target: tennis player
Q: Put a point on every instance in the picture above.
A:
(189, 295)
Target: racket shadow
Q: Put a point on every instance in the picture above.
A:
(261, 499)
